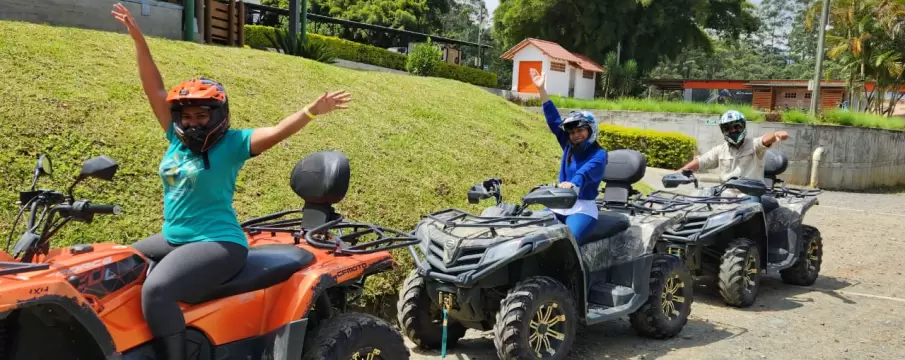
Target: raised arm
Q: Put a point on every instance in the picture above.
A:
(554, 121)
(265, 138)
(147, 70)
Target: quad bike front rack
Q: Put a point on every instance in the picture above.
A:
(323, 237)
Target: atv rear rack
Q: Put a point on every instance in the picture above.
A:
(13, 268)
(340, 243)
(796, 192)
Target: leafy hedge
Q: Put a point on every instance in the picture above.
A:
(669, 150)
(343, 49)
(367, 54)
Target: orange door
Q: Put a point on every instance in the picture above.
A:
(525, 85)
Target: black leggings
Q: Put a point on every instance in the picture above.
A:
(186, 270)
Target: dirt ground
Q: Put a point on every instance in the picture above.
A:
(856, 310)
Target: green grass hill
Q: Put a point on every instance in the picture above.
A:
(416, 144)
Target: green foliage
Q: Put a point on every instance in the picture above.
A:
(466, 74)
(316, 50)
(630, 104)
(423, 59)
(256, 36)
(646, 30)
(795, 117)
(621, 78)
(668, 150)
(859, 119)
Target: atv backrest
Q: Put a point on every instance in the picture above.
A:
(321, 178)
(775, 163)
(624, 167)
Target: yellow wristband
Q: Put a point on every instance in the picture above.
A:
(310, 115)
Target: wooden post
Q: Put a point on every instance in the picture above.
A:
(199, 17)
(293, 23)
(241, 24)
(231, 23)
(208, 37)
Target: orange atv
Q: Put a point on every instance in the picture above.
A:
(289, 301)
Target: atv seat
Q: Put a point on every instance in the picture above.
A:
(775, 163)
(266, 266)
(769, 203)
(609, 223)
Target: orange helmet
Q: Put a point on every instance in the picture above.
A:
(207, 94)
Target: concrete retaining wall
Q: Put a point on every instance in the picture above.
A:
(157, 19)
(853, 158)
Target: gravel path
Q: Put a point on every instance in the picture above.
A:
(856, 310)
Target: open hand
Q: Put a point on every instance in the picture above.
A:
(538, 79)
(565, 184)
(125, 17)
(330, 101)
(782, 135)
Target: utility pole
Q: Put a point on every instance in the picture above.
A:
(815, 94)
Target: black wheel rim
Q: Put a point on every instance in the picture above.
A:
(366, 353)
(673, 297)
(750, 272)
(547, 330)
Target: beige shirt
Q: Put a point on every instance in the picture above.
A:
(745, 162)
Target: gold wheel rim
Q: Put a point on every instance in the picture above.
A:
(546, 327)
(750, 272)
(366, 354)
(812, 257)
(672, 296)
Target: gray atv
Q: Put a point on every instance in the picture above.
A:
(520, 273)
(726, 238)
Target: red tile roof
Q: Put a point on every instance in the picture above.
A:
(555, 51)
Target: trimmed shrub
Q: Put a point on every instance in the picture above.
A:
(668, 150)
(256, 37)
(424, 59)
(466, 74)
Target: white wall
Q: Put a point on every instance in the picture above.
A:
(557, 82)
(584, 88)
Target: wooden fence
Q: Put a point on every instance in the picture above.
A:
(224, 22)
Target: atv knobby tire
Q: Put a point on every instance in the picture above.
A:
(671, 291)
(514, 331)
(807, 268)
(735, 272)
(422, 319)
(348, 334)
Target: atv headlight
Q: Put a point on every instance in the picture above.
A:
(719, 219)
(501, 251)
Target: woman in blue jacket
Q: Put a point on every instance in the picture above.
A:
(582, 164)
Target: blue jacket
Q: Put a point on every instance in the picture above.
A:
(588, 162)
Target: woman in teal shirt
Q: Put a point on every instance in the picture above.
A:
(202, 244)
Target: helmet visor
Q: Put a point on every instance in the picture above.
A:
(735, 126)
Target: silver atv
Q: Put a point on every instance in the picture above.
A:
(727, 239)
(521, 273)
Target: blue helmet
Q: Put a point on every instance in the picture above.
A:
(733, 125)
(578, 119)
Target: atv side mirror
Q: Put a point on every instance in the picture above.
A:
(99, 167)
(42, 167)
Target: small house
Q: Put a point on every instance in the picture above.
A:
(568, 74)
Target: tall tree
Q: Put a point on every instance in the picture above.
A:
(643, 30)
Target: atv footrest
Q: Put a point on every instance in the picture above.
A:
(610, 295)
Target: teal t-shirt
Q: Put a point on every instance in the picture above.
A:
(198, 202)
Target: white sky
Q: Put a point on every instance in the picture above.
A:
(492, 4)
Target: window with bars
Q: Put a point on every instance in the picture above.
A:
(556, 66)
(807, 95)
(587, 74)
(790, 95)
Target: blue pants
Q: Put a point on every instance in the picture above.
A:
(580, 225)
